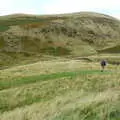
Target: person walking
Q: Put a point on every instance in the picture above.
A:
(103, 64)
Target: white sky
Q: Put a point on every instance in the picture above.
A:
(110, 7)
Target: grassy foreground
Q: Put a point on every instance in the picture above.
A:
(60, 90)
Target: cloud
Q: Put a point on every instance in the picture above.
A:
(69, 6)
(116, 16)
(111, 7)
(6, 6)
(64, 6)
(17, 6)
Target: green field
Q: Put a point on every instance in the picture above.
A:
(60, 89)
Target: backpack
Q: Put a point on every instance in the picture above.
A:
(103, 63)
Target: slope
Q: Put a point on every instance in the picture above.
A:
(29, 37)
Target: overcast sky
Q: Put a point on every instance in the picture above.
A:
(110, 7)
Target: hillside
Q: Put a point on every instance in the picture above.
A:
(50, 67)
(29, 37)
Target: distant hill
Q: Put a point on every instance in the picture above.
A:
(30, 37)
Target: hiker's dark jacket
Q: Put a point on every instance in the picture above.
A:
(103, 63)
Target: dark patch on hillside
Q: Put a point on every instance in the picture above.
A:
(115, 49)
(56, 51)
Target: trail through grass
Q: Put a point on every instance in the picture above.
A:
(47, 87)
(5, 84)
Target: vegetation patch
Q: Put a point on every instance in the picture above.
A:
(94, 111)
(115, 49)
(2, 42)
(56, 51)
(3, 28)
(5, 84)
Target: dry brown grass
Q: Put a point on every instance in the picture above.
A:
(54, 98)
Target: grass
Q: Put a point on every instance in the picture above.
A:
(92, 112)
(80, 92)
(5, 84)
(24, 22)
(56, 51)
(3, 28)
(110, 58)
(115, 49)
(59, 88)
(57, 35)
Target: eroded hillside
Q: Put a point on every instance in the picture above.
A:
(80, 34)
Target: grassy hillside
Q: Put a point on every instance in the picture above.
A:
(114, 49)
(27, 38)
(61, 89)
(49, 67)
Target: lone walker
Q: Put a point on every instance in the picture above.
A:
(103, 64)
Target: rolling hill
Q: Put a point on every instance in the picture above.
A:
(29, 37)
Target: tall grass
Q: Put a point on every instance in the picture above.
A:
(5, 84)
(85, 94)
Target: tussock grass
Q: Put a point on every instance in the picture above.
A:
(5, 84)
(81, 91)
(73, 105)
